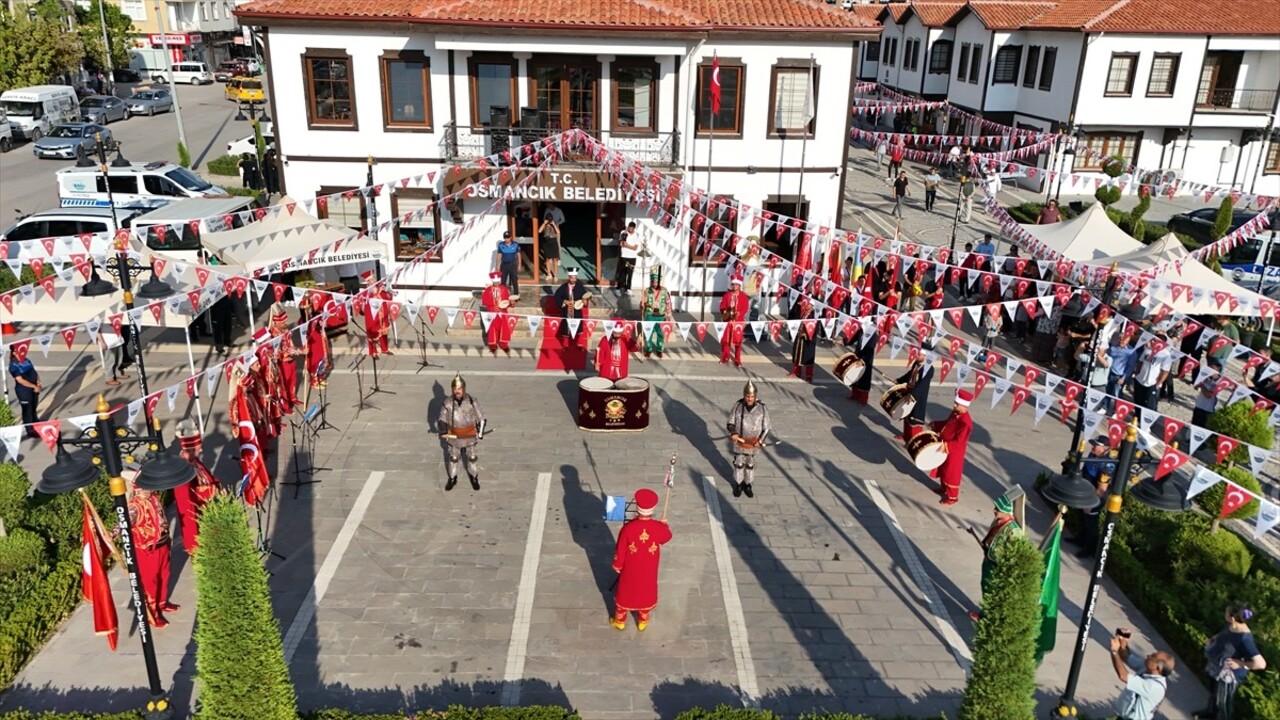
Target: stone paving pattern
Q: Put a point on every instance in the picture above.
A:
(419, 612)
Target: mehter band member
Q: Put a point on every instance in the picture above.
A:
(734, 308)
(919, 379)
(319, 359)
(151, 533)
(954, 431)
(376, 320)
(613, 355)
(1002, 527)
(571, 299)
(748, 426)
(863, 344)
(655, 307)
(496, 299)
(192, 496)
(635, 559)
(461, 425)
(287, 355)
(804, 348)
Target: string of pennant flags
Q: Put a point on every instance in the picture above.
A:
(931, 157)
(1163, 182)
(1019, 139)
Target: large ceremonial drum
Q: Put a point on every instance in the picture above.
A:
(849, 369)
(927, 450)
(898, 401)
(604, 406)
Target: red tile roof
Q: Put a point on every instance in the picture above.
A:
(1071, 15)
(894, 10)
(1006, 15)
(1188, 17)
(869, 12)
(934, 14)
(643, 15)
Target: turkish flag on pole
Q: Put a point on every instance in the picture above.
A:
(715, 85)
(93, 573)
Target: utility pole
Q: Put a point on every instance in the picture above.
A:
(168, 58)
(110, 80)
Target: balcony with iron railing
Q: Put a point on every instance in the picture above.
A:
(1212, 99)
(468, 142)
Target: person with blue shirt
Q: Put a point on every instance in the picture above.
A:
(986, 247)
(510, 264)
(1097, 468)
(1231, 653)
(1122, 355)
(27, 387)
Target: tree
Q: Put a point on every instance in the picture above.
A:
(119, 28)
(35, 47)
(1002, 684)
(239, 656)
(1222, 221)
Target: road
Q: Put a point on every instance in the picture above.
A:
(26, 182)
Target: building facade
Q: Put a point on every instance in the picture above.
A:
(197, 30)
(1183, 87)
(418, 91)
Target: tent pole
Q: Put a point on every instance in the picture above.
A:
(4, 376)
(191, 365)
(253, 328)
(1271, 330)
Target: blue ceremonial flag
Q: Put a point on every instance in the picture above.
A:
(615, 508)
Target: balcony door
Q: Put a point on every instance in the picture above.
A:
(1218, 79)
(567, 93)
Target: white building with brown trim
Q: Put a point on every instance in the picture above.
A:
(420, 86)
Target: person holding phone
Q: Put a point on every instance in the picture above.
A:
(1231, 654)
(1145, 681)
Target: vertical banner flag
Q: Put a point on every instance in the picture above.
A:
(715, 85)
(93, 574)
(1049, 593)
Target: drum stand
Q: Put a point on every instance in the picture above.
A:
(324, 413)
(376, 387)
(263, 512)
(300, 443)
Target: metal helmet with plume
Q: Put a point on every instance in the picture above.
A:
(749, 389)
(458, 383)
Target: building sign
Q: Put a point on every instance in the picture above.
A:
(550, 186)
(158, 40)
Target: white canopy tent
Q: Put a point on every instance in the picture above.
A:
(261, 246)
(1166, 252)
(1089, 237)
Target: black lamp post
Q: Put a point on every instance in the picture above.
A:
(256, 115)
(1068, 489)
(164, 471)
(955, 216)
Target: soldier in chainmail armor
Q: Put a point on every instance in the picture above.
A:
(461, 425)
(748, 426)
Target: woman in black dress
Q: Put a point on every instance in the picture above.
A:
(550, 247)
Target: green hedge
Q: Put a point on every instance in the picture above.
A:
(240, 661)
(225, 165)
(28, 715)
(1239, 421)
(458, 712)
(1186, 612)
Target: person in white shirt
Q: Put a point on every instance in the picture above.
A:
(1145, 681)
(112, 347)
(630, 245)
(1153, 369)
(556, 213)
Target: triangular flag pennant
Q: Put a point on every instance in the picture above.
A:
(450, 314)
(11, 436)
(574, 325)
(1257, 460)
(1268, 517)
(535, 321)
(1002, 387)
(1235, 498)
(1225, 446)
(133, 409)
(1172, 460)
(1198, 436)
(1043, 403)
(1203, 480)
(49, 431)
(1020, 396)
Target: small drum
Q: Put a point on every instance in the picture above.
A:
(898, 402)
(504, 304)
(752, 286)
(586, 298)
(849, 369)
(927, 450)
(595, 384)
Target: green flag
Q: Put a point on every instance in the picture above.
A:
(1049, 593)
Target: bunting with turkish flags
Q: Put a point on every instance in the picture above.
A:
(95, 586)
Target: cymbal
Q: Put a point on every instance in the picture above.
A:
(644, 253)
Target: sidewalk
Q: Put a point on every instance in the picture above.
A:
(842, 586)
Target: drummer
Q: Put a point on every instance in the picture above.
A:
(497, 300)
(955, 432)
(803, 347)
(613, 355)
(863, 344)
(918, 379)
(571, 299)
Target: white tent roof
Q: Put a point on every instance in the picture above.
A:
(288, 235)
(1089, 237)
(68, 307)
(1167, 251)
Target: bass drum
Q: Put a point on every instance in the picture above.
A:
(849, 369)
(927, 450)
(898, 402)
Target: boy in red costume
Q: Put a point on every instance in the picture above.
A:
(636, 559)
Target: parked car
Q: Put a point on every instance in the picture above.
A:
(126, 75)
(103, 109)
(1198, 224)
(244, 90)
(150, 102)
(228, 69)
(193, 73)
(67, 141)
(246, 144)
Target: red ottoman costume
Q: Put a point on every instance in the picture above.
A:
(635, 559)
(613, 354)
(286, 355)
(734, 307)
(151, 533)
(192, 496)
(954, 431)
(497, 300)
(317, 352)
(375, 318)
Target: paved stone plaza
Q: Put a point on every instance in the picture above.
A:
(842, 586)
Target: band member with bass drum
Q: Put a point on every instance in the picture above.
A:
(955, 432)
(461, 425)
(918, 379)
(748, 427)
(571, 301)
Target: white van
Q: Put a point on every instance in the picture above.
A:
(189, 73)
(34, 111)
(64, 222)
(159, 227)
(138, 182)
(6, 133)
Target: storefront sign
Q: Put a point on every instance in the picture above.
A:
(158, 40)
(550, 186)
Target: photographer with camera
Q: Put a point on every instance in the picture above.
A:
(1145, 682)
